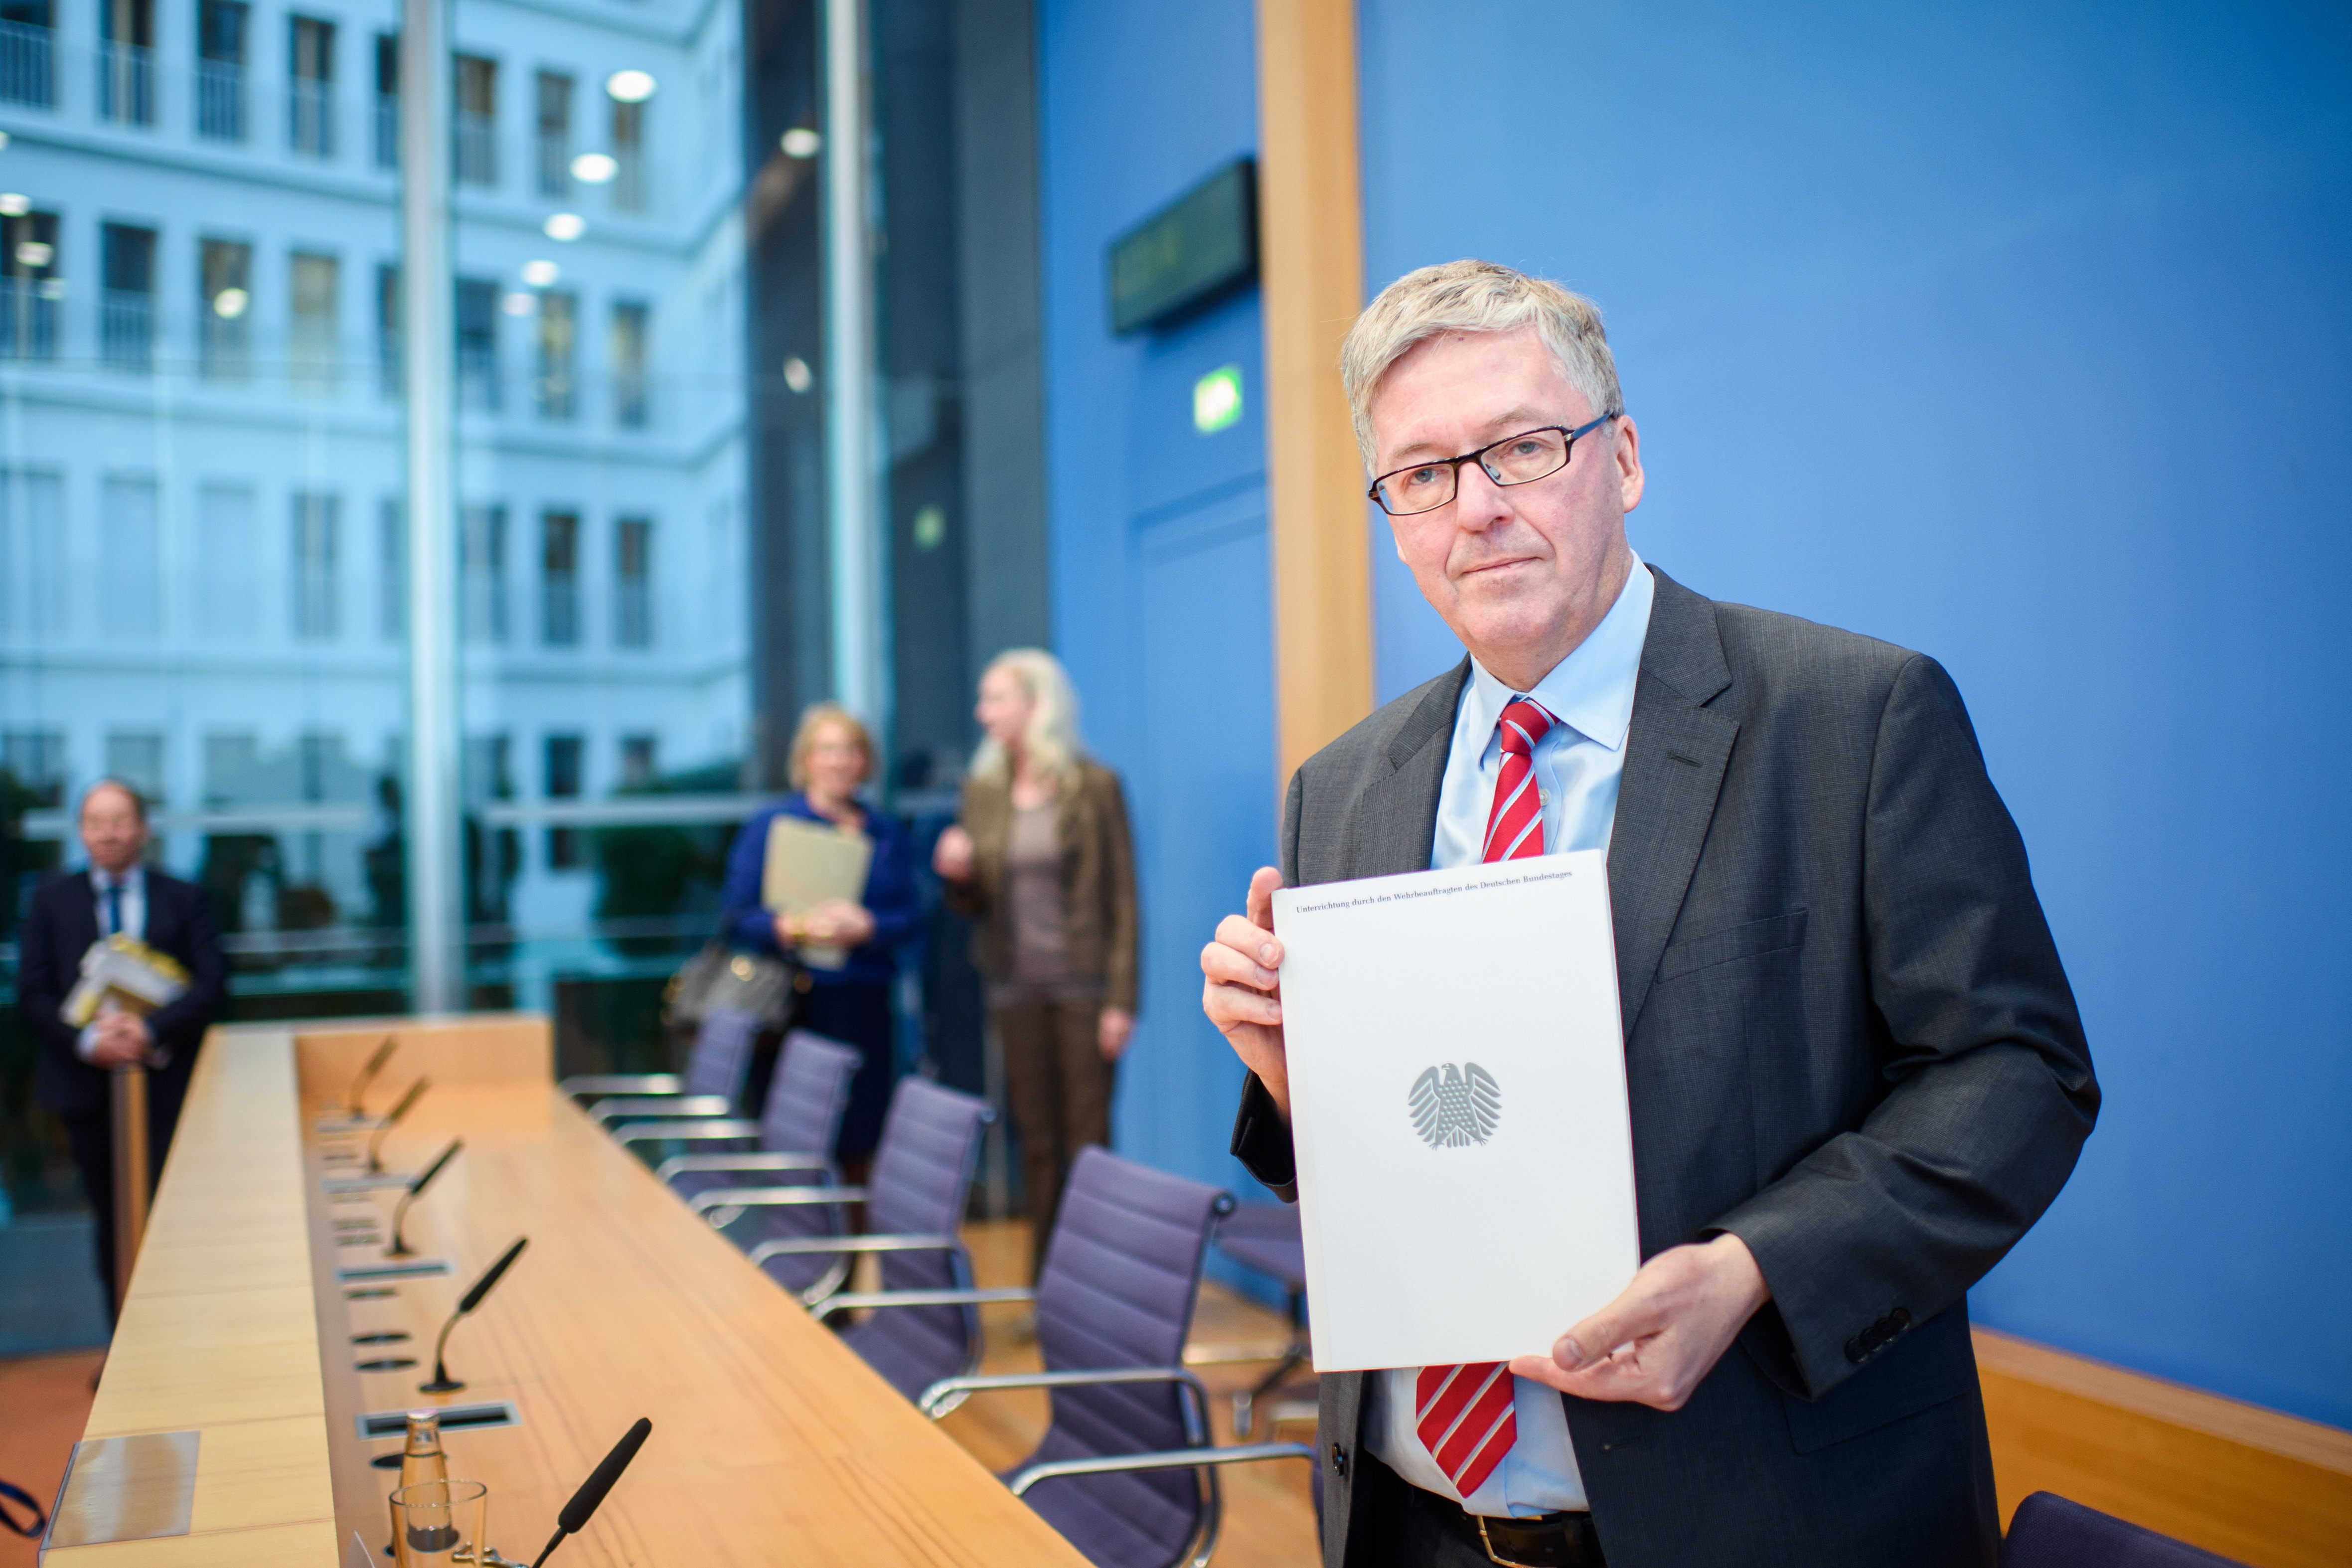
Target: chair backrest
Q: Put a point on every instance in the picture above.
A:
(920, 1184)
(808, 1094)
(721, 1056)
(1116, 1289)
(2050, 1532)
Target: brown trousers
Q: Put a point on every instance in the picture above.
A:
(1058, 1087)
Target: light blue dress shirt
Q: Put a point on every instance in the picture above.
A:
(1577, 764)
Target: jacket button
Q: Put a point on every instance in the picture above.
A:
(1900, 1318)
(1853, 1349)
(1338, 1461)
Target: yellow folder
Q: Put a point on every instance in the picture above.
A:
(808, 863)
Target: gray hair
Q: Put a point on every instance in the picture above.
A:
(1474, 297)
(1051, 742)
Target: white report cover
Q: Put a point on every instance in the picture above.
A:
(1457, 1102)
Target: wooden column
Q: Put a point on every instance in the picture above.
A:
(1310, 234)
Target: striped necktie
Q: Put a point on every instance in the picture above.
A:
(1464, 1415)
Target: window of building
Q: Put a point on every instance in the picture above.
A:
(30, 285)
(477, 344)
(130, 542)
(230, 758)
(388, 101)
(638, 768)
(629, 190)
(390, 348)
(126, 307)
(226, 563)
(627, 357)
(477, 126)
(224, 314)
(220, 69)
(35, 759)
(391, 569)
(559, 589)
(126, 62)
(27, 62)
(554, 135)
(632, 578)
(315, 518)
(558, 314)
(565, 849)
(311, 329)
(311, 87)
(482, 573)
(136, 757)
(34, 592)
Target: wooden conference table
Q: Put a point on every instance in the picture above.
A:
(772, 1443)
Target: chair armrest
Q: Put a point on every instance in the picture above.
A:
(709, 1127)
(745, 1160)
(627, 1106)
(1166, 1458)
(854, 1299)
(803, 1244)
(622, 1083)
(773, 1197)
(938, 1392)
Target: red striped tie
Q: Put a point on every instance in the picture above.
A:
(1464, 1415)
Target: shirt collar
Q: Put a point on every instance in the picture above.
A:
(129, 881)
(1591, 690)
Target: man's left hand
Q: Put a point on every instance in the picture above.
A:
(1664, 1331)
(122, 1039)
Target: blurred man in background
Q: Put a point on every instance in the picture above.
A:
(116, 894)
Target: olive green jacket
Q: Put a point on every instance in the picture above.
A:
(1097, 880)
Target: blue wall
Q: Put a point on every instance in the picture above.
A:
(1160, 596)
(2018, 333)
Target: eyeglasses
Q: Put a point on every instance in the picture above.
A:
(1519, 460)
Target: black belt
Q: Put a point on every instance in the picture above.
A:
(1549, 1540)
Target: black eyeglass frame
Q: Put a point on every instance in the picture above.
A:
(1567, 454)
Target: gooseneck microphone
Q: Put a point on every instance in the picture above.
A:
(352, 1101)
(441, 1381)
(575, 1514)
(399, 1248)
(392, 1119)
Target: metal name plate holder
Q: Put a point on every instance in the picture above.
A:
(412, 1268)
(385, 1182)
(376, 1425)
(125, 1488)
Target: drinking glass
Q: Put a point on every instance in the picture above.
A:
(436, 1524)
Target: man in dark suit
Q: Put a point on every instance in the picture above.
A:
(116, 894)
(1856, 1069)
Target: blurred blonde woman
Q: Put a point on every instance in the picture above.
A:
(1041, 862)
(831, 758)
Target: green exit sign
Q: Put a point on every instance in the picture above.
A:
(1199, 244)
(1217, 399)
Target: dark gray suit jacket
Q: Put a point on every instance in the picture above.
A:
(1848, 1041)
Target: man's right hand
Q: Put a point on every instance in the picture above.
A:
(119, 1040)
(1241, 992)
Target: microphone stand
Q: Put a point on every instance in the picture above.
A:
(441, 1381)
(375, 1141)
(352, 1102)
(399, 1248)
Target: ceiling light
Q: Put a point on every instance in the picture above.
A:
(228, 304)
(540, 274)
(565, 227)
(630, 86)
(520, 303)
(14, 205)
(800, 142)
(594, 168)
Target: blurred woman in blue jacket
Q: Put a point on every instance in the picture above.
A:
(831, 755)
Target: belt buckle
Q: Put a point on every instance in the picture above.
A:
(1493, 1555)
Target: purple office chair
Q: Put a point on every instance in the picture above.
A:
(716, 1067)
(914, 1202)
(2049, 1532)
(1125, 1471)
(1265, 1238)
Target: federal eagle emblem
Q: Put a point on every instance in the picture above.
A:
(1457, 1108)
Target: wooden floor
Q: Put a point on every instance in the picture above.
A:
(1269, 1513)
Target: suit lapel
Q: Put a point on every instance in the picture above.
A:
(1675, 756)
(1396, 816)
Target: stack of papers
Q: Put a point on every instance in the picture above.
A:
(810, 863)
